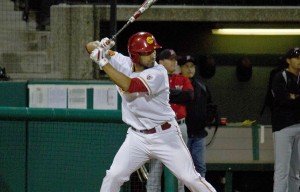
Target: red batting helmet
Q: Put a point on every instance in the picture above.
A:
(142, 42)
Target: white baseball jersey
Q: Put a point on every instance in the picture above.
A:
(144, 110)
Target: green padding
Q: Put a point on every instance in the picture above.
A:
(12, 156)
(255, 166)
(255, 141)
(13, 94)
(45, 114)
(171, 183)
(71, 156)
(69, 82)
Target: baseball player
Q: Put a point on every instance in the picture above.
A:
(181, 92)
(286, 122)
(153, 131)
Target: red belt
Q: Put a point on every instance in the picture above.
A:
(164, 126)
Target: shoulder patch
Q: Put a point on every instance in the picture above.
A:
(149, 77)
(111, 53)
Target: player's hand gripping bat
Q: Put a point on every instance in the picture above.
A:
(109, 43)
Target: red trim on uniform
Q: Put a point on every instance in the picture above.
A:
(146, 85)
(136, 85)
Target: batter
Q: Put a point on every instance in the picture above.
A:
(153, 132)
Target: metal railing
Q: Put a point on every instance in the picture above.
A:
(197, 2)
(24, 4)
(39, 127)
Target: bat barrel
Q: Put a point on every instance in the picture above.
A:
(146, 5)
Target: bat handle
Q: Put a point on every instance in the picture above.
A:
(115, 35)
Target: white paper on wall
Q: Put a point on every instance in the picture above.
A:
(77, 98)
(105, 97)
(37, 96)
(57, 97)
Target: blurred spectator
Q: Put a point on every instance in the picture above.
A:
(286, 122)
(201, 113)
(3, 76)
(42, 9)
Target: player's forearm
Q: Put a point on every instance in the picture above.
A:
(91, 46)
(117, 77)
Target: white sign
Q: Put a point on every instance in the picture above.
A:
(105, 97)
(57, 97)
(77, 98)
(38, 97)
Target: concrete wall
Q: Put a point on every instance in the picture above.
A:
(74, 25)
(187, 30)
(71, 28)
(234, 144)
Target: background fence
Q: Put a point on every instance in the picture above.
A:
(37, 154)
(54, 150)
(49, 150)
(38, 138)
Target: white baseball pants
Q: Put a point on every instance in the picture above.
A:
(166, 146)
(286, 157)
(156, 169)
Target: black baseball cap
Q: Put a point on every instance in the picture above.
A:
(168, 54)
(294, 52)
(185, 59)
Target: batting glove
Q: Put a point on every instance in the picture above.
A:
(98, 56)
(107, 43)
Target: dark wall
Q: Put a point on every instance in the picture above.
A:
(237, 100)
(196, 38)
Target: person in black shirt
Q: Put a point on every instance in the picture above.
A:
(197, 114)
(286, 123)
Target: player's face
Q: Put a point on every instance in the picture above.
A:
(294, 64)
(169, 64)
(188, 69)
(147, 60)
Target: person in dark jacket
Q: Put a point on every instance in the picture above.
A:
(286, 122)
(197, 114)
(42, 10)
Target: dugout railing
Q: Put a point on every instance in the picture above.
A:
(43, 149)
